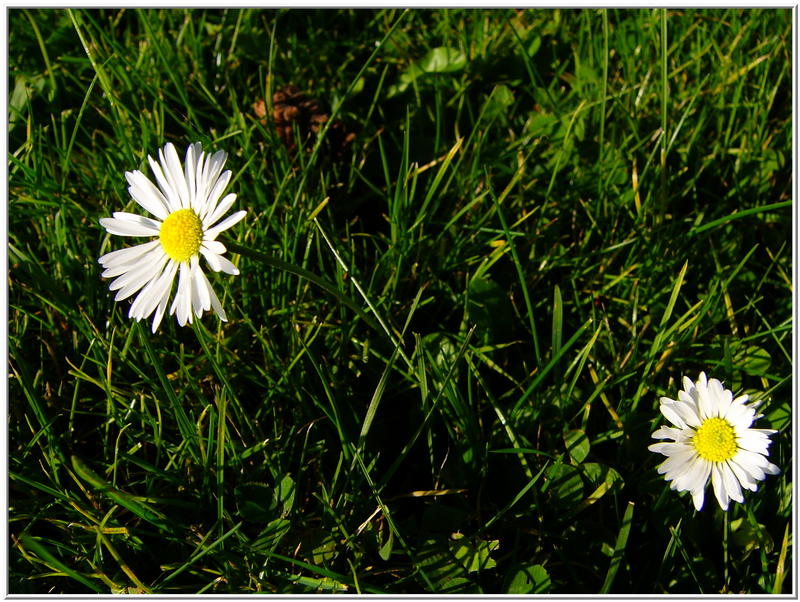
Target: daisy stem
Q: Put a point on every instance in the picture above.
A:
(326, 285)
(726, 589)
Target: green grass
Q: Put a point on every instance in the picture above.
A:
(546, 219)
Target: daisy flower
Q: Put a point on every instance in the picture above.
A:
(712, 437)
(188, 210)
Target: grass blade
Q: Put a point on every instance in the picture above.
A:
(619, 549)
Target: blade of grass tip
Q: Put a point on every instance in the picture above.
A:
(27, 541)
(203, 335)
(388, 473)
(379, 389)
(531, 482)
(184, 424)
(738, 215)
(686, 558)
(518, 268)
(546, 370)
(390, 521)
(676, 288)
(600, 185)
(338, 106)
(205, 550)
(363, 294)
(43, 48)
(580, 360)
(66, 162)
(558, 315)
(220, 459)
(619, 549)
(434, 186)
(105, 82)
(664, 97)
(561, 153)
(780, 570)
(121, 562)
(118, 496)
(325, 285)
(662, 334)
(322, 571)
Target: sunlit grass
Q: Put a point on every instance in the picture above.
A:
(447, 344)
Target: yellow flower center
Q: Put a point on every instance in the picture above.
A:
(715, 440)
(181, 234)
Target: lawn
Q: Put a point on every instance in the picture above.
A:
(480, 246)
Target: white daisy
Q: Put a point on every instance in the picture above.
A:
(712, 437)
(188, 209)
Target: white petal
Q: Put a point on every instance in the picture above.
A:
(229, 221)
(210, 173)
(688, 413)
(127, 255)
(201, 300)
(212, 258)
(146, 194)
(667, 449)
(706, 404)
(698, 496)
(214, 299)
(214, 195)
(731, 483)
(677, 462)
(130, 224)
(741, 475)
(174, 174)
(221, 209)
(145, 296)
(212, 170)
(753, 441)
(147, 266)
(670, 414)
(752, 463)
(160, 286)
(667, 432)
(720, 491)
(182, 304)
(132, 281)
(741, 419)
(770, 468)
(214, 247)
(694, 476)
(190, 170)
(173, 201)
(721, 397)
(227, 266)
(162, 304)
(152, 258)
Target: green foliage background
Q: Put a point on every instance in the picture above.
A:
(548, 216)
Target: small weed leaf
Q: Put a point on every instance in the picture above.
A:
(780, 416)
(270, 536)
(528, 579)
(474, 555)
(440, 60)
(255, 502)
(750, 537)
(754, 360)
(283, 495)
(578, 445)
(564, 485)
(443, 60)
